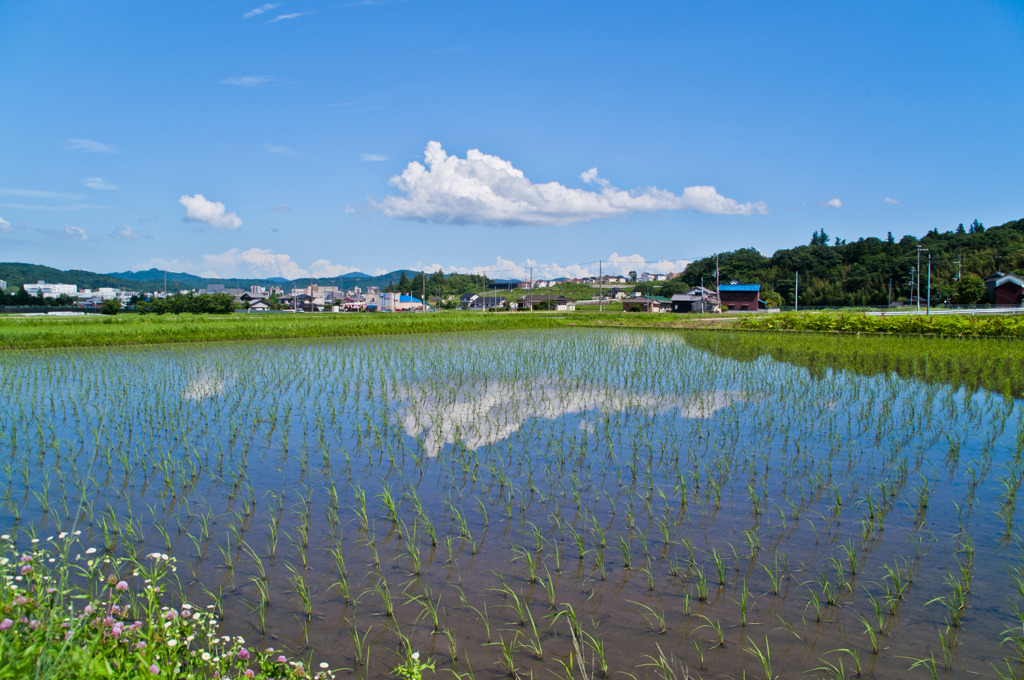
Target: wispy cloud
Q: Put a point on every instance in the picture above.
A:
(248, 81)
(890, 201)
(485, 189)
(89, 146)
(48, 200)
(199, 209)
(127, 233)
(372, 157)
(285, 17)
(99, 184)
(282, 150)
(259, 10)
(36, 193)
(834, 203)
(5, 226)
(76, 233)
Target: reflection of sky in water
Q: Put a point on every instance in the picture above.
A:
(203, 386)
(484, 412)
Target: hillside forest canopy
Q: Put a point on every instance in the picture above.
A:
(871, 271)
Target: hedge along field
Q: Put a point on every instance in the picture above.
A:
(135, 329)
(568, 503)
(935, 324)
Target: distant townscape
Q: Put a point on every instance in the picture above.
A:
(965, 266)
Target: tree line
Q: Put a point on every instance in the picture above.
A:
(870, 271)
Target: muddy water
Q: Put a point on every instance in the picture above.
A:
(694, 513)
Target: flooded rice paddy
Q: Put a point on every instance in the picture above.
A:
(555, 503)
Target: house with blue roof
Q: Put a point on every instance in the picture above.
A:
(742, 297)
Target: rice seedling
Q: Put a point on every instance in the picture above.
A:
(555, 454)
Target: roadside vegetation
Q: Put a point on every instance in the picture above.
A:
(18, 332)
(935, 324)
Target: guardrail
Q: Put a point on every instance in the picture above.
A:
(969, 312)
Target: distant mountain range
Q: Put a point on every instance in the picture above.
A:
(18, 273)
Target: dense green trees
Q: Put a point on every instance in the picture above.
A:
(443, 285)
(871, 271)
(189, 303)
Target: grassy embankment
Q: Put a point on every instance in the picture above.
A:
(39, 332)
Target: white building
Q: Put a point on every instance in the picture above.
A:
(51, 290)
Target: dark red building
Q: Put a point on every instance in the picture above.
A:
(1004, 289)
(740, 296)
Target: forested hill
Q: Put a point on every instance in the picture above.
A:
(860, 272)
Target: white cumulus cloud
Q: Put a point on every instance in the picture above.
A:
(5, 226)
(326, 269)
(254, 263)
(832, 203)
(614, 264)
(199, 209)
(482, 188)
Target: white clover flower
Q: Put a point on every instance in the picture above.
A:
(90, 551)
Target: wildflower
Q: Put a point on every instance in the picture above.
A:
(324, 664)
(206, 656)
(243, 654)
(90, 551)
(154, 669)
(62, 534)
(5, 624)
(172, 642)
(282, 659)
(88, 609)
(141, 644)
(122, 585)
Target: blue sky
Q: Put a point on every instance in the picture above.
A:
(300, 138)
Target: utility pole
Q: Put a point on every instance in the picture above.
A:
(919, 249)
(958, 261)
(423, 300)
(929, 284)
(717, 285)
(796, 295)
(600, 288)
